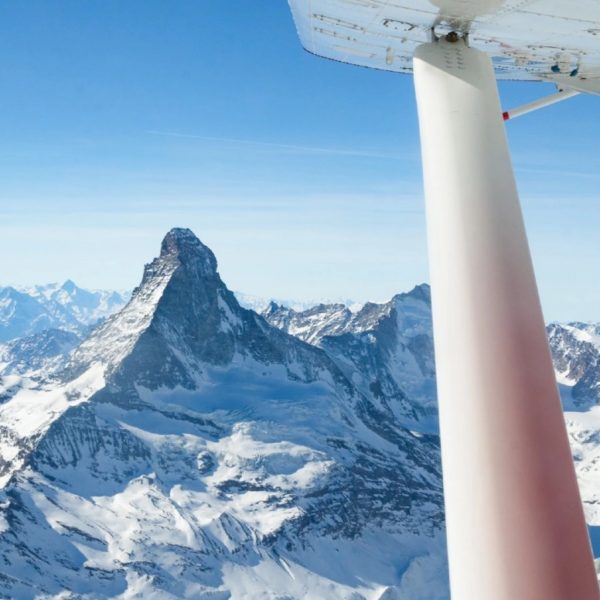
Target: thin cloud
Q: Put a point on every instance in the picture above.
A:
(280, 146)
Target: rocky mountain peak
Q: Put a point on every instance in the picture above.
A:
(182, 244)
(271, 308)
(421, 292)
(69, 287)
(181, 318)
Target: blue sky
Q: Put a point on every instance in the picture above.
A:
(119, 120)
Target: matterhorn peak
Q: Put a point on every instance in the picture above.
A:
(181, 308)
(182, 244)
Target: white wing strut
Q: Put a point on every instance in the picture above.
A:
(541, 103)
(515, 523)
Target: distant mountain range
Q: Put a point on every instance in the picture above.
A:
(28, 311)
(260, 303)
(188, 447)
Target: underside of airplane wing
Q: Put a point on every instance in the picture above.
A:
(532, 40)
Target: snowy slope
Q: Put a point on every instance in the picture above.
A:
(584, 432)
(37, 352)
(190, 449)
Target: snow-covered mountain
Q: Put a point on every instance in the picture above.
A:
(392, 343)
(260, 303)
(28, 311)
(22, 315)
(38, 352)
(386, 349)
(88, 306)
(576, 353)
(188, 448)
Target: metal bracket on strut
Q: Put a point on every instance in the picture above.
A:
(451, 33)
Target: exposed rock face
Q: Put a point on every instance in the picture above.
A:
(310, 325)
(576, 354)
(191, 449)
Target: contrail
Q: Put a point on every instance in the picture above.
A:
(293, 147)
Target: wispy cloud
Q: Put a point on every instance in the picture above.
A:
(281, 146)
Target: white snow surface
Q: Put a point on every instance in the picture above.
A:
(114, 339)
(584, 434)
(28, 414)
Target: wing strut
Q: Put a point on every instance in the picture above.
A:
(514, 517)
(541, 103)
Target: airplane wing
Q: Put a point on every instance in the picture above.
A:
(535, 40)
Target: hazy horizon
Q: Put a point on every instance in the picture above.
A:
(302, 175)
